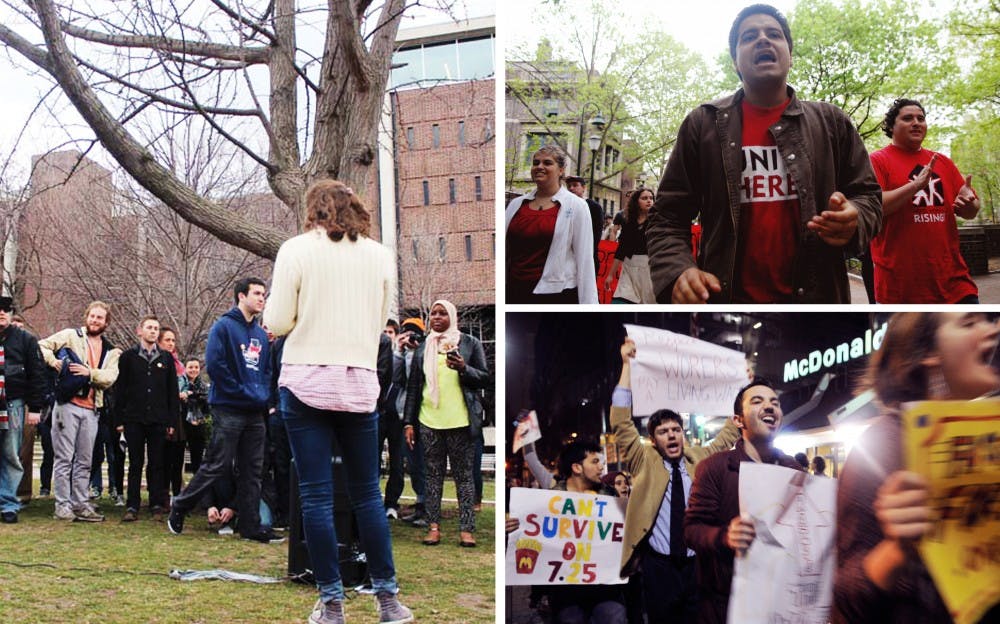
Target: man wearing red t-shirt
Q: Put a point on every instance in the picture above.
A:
(916, 255)
(782, 187)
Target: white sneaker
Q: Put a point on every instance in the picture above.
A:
(391, 513)
(64, 513)
(226, 530)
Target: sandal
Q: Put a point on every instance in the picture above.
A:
(466, 540)
(433, 537)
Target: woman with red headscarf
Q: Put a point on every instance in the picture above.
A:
(443, 399)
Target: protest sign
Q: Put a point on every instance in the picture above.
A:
(527, 430)
(787, 573)
(564, 538)
(683, 373)
(955, 445)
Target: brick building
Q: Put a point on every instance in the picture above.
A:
(81, 237)
(439, 170)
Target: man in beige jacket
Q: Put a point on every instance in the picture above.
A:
(74, 421)
(654, 519)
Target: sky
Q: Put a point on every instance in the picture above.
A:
(688, 21)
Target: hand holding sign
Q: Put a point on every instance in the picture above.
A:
(902, 506)
(740, 534)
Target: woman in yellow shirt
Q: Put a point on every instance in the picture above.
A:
(443, 399)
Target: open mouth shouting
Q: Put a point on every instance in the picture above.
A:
(765, 56)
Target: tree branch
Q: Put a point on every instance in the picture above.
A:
(137, 161)
(253, 56)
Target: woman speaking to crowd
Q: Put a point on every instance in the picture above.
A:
(331, 293)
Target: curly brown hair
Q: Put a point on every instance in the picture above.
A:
(333, 206)
(896, 372)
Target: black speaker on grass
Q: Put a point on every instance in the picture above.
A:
(353, 564)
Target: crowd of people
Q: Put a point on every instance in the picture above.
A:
(294, 378)
(764, 199)
(683, 526)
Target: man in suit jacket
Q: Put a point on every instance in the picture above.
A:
(668, 578)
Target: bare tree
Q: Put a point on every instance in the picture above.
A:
(86, 236)
(238, 68)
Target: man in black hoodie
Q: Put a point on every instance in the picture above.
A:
(23, 373)
(238, 361)
(147, 409)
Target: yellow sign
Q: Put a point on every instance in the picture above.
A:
(956, 446)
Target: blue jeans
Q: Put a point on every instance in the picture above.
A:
(11, 470)
(311, 433)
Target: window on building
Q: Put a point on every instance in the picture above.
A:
(468, 247)
(461, 133)
(451, 190)
(442, 248)
(493, 245)
(475, 58)
(410, 141)
(488, 130)
(427, 193)
(612, 206)
(447, 60)
(416, 250)
(479, 188)
(436, 135)
(604, 203)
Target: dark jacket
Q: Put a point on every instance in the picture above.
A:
(714, 501)
(25, 375)
(146, 391)
(823, 153)
(238, 362)
(914, 598)
(385, 375)
(476, 377)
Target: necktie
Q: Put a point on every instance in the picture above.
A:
(677, 505)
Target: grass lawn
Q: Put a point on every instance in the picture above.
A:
(107, 573)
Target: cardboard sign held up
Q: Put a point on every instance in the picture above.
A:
(682, 373)
(564, 538)
(955, 445)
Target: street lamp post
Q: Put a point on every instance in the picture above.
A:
(597, 121)
(594, 142)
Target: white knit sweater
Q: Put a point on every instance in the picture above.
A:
(331, 298)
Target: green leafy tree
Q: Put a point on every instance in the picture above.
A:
(862, 55)
(630, 75)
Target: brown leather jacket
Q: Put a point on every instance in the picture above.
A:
(823, 153)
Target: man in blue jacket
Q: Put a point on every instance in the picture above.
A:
(238, 361)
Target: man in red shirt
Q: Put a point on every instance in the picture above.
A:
(916, 254)
(781, 186)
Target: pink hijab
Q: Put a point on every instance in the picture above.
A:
(439, 342)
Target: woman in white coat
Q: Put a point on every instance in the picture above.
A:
(550, 240)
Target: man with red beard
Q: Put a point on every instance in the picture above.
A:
(662, 474)
(75, 421)
(916, 255)
(713, 526)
